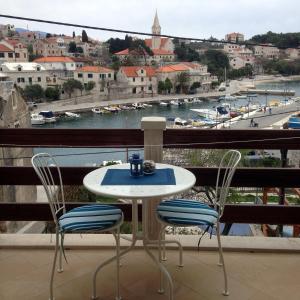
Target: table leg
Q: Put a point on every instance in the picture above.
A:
(161, 267)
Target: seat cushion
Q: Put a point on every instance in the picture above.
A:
(90, 217)
(183, 212)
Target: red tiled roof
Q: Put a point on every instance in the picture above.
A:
(94, 69)
(49, 59)
(173, 68)
(148, 42)
(123, 52)
(161, 52)
(15, 42)
(81, 59)
(132, 71)
(5, 49)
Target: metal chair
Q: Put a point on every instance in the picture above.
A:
(184, 212)
(86, 218)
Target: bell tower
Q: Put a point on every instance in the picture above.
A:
(156, 29)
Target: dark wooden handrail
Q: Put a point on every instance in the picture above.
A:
(173, 138)
(244, 177)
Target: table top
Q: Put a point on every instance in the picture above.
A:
(184, 181)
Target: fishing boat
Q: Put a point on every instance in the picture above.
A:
(197, 100)
(179, 121)
(113, 109)
(97, 110)
(219, 113)
(48, 116)
(294, 121)
(147, 105)
(138, 105)
(162, 103)
(174, 102)
(70, 115)
(37, 119)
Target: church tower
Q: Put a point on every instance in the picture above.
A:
(156, 29)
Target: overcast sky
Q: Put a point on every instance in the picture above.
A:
(190, 18)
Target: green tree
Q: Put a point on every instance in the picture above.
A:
(79, 50)
(73, 34)
(84, 37)
(71, 85)
(195, 85)
(72, 47)
(161, 87)
(90, 85)
(168, 85)
(182, 80)
(52, 93)
(33, 92)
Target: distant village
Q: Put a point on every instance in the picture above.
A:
(60, 66)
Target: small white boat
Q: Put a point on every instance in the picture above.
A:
(71, 115)
(241, 97)
(175, 102)
(97, 110)
(36, 119)
(138, 105)
(179, 121)
(147, 105)
(113, 109)
(48, 116)
(197, 100)
(161, 103)
(126, 107)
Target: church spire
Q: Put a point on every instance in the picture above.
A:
(156, 29)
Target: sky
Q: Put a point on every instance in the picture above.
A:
(188, 18)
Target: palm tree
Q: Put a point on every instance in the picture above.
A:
(182, 80)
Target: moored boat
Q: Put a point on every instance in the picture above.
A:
(37, 119)
(179, 121)
(97, 110)
(70, 115)
(48, 116)
(294, 121)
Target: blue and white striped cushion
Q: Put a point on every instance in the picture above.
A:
(90, 217)
(182, 212)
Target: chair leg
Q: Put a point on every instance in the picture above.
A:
(61, 245)
(161, 258)
(117, 237)
(54, 264)
(221, 261)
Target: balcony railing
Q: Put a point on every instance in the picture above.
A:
(172, 138)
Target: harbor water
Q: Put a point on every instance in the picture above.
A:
(132, 119)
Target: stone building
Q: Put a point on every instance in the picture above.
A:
(102, 77)
(234, 37)
(266, 51)
(136, 81)
(14, 114)
(12, 50)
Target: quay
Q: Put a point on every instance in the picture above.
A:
(270, 92)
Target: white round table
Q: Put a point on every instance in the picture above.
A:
(184, 180)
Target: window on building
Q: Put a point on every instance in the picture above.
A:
(38, 68)
(142, 79)
(142, 71)
(80, 75)
(10, 55)
(134, 90)
(1, 54)
(24, 55)
(90, 75)
(17, 55)
(142, 88)
(109, 75)
(150, 88)
(150, 78)
(39, 79)
(30, 79)
(19, 69)
(133, 79)
(22, 79)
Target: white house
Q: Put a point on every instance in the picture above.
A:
(25, 73)
(60, 66)
(12, 50)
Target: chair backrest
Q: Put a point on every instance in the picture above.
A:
(46, 168)
(228, 163)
